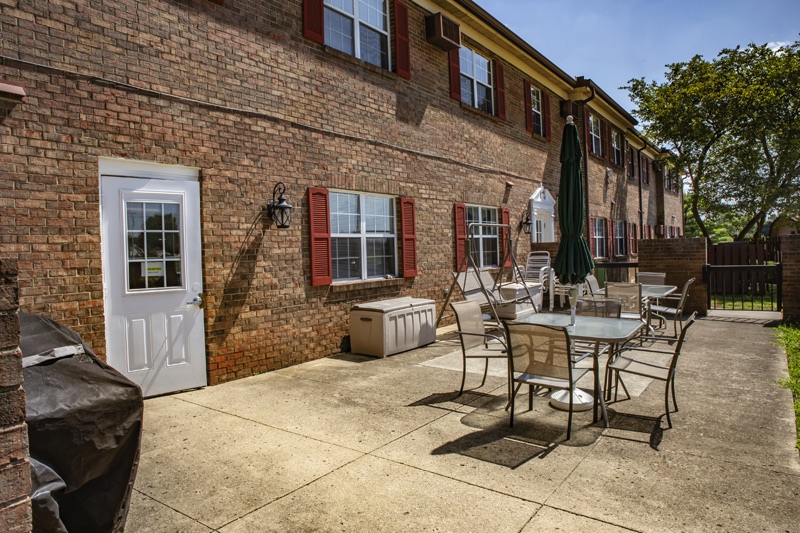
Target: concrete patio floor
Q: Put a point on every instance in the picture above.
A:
(354, 443)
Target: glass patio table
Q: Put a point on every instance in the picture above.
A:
(599, 330)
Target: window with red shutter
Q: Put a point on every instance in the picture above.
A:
(612, 233)
(526, 93)
(455, 74)
(500, 89)
(402, 42)
(320, 236)
(460, 231)
(314, 20)
(591, 237)
(546, 114)
(409, 236)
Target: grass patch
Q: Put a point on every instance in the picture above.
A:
(789, 338)
(745, 302)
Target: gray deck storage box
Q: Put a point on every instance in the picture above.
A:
(391, 326)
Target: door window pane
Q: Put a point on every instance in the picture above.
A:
(153, 245)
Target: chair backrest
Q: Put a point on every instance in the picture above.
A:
(629, 293)
(472, 284)
(470, 321)
(594, 286)
(604, 307)
(540, 350)
(679, 344)
(652, 278)
(685, 293)
(537, 266)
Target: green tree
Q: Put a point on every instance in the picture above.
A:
(733, 126)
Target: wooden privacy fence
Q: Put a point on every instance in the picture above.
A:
(744, 275)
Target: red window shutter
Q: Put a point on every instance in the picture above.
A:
(455, 74)
(591, 237)
(546, 114)
(526, 89)
(609, 239)
(505, 234)
(635, 239)
(402, 42)
(500, 88)
(409, 229)
(629, 230)
(604, 137)
(460, 230)
(320, 233)
(314, 20)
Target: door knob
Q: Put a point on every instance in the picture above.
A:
(198, 301)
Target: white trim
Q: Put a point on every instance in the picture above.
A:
(131, 168)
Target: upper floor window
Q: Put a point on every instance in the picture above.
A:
(631, 163)
(476, 80)
(486, 243)
(620, 239)
(536, 111)
(363, 239)
(616, 148)
(599, 238)
(644, 170)
(595, 135)
(359, 28)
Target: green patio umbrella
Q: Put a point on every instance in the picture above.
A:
(573, 260)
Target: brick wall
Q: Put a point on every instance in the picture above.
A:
(15, 477)
(238, 92)
(790, 259)
(681, 259)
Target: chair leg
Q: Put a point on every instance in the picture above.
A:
(513, 395)
(485, 371)
(463, 375)
(530, 397)
(569, 420)
(666, 403)
(674, 400)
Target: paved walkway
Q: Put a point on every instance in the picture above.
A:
(352, 443)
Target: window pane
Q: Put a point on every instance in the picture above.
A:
(339, 32)
(135, 216)
(135, 244)
(344, 5)
(466, 91)
(483, 71)
(172, 215)
(173, 274)
(378, 215)
(465, 59)
(172, 245)
(380, 257)
(373, 12)
(374, 47)
(154, 245)
(346, 258)
(344, 213)
(490, 252)
(484, 99)
(152, 214)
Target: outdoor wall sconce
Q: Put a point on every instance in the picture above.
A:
(526, 223)
(280, 211)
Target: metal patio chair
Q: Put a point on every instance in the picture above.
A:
(631, 296)
(652, 278)
(661, 310)
(477, 341)
(662, 372)
(540, 356)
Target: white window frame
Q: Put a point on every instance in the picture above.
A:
(600, 237)
(363, 235)
(473, 79)
(621, 241)
(616, 147)
(484, 235)
(536, 111)
(595, 135)
(542, 213)
(357, 21)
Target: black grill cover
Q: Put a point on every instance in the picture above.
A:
(84, 426)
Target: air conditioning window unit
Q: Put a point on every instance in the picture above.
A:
(443, 32)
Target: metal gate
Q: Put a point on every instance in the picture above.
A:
(745, 276)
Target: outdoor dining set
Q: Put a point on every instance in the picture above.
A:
(626, 324)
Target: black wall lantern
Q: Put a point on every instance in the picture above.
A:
(526, 223)
(280, 211)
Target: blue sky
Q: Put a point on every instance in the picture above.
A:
(615, 40)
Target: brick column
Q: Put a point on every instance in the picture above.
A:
(681, 259)
(790, 261)
(15, 473)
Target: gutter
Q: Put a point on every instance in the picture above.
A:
(584, 110)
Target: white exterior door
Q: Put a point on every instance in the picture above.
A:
(152, 274)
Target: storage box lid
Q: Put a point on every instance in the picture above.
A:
(385, 306)
(395, 304)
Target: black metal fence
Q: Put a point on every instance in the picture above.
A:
(744, 287)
